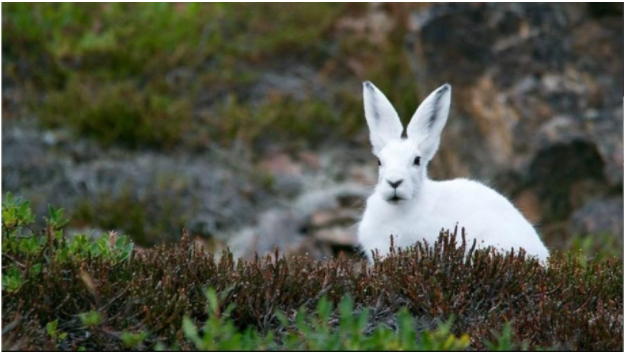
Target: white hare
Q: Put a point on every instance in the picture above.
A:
(409, 206)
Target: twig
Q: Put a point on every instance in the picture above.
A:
(14, 260)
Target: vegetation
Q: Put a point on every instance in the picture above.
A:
(167, 76)
(323, 331)
(145, 220)
(163, 75)
(599, 246)
(79, 293)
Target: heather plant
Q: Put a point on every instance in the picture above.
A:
(67, 293)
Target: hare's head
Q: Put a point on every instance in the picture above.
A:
(403, 155)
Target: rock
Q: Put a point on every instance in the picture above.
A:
(337, 236)
(528, 203)
(152, 195)
(285, 173)
(295, 81)
(310, 159)
(375, 25)
(599, 216)
(27, 163)
(196, 191)
(328, 217)
(280, 164)
(278, 228)
(514, 88)
(558, 170)
(322, 218)
(318, 214)
(243, 242)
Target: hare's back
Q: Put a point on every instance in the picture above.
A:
(486, 215)
(468, 196)
(475, 207)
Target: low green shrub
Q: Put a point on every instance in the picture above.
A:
(319, 332)
(102, 294)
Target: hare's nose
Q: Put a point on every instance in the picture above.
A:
(395, 184)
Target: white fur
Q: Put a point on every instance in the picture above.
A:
(424, 207)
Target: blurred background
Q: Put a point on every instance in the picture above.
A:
(244, 123)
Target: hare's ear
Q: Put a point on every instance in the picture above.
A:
(383, 121)
(429, 120)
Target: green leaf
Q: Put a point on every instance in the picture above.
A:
(12, 280)
(324, 309)
(51, 328)
(189, 328)
(120, 242)
(95, 249)
(213, 302)
(132, 340)
(35, 270)
(51, 213)
(281, 317)
(345, 307)
(91, 318)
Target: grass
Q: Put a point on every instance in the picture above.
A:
(74, 293)
(153, 75)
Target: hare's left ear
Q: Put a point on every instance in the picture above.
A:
(429, 120)
(383, 121)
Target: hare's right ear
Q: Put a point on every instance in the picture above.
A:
(383, 121)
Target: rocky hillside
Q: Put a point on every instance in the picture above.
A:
(244, 123)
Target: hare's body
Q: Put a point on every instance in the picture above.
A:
(492, 221)
(409, 206)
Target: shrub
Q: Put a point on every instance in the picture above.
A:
(317, 334)
(106, 296)
(118, 113)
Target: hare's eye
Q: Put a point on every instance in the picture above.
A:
(379, 162)
(417, 161)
